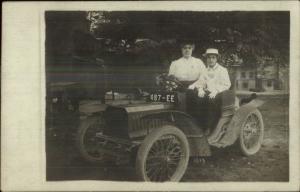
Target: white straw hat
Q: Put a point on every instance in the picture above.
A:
(211, 51)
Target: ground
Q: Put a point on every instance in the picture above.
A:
(271, 163)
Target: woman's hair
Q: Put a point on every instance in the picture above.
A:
(186, 42)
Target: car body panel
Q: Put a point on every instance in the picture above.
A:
(234, 126)
(136, 121)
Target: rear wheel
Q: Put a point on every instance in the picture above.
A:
(163, 155)
(87, 141)
(252, 132)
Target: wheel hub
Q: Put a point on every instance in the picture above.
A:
(251, 131)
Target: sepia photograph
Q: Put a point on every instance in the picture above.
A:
(150, 96)
(158, 96)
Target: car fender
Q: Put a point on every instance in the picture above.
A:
(235, 124)
(91, 107)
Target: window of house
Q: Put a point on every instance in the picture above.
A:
(251, 74)
(243, 74)
(245, 85)
(269, 83)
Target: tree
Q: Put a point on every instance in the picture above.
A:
(243, 38)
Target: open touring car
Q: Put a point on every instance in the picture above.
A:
(158, 133)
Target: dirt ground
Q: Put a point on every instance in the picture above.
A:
(271, 163)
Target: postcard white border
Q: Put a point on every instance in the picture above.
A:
(23, 96)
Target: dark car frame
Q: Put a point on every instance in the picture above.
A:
(158, 134)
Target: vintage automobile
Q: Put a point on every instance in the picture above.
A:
(157, 133)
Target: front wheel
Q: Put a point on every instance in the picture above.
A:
(163, 155)
(252, 133)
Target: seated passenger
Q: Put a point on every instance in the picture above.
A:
(190, 71)
(216, 81)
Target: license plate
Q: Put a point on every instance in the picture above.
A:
(163, 97)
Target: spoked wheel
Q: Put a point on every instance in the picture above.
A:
(252, 132)
(87, 142)
(163, 155)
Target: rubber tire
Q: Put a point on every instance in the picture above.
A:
(150, 140)
(83, 127)
(243, 149)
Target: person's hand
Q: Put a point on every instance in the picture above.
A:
(201, 93)
(212, 94)
(192, 87)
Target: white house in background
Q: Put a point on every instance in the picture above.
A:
(267, 79)
(244, 78)
(267, 84)
(284, 80)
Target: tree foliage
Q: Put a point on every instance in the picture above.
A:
(243, 38)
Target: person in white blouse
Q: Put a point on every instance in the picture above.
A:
(188, 69)
(217, 79)
(191, 72)
(216, 82)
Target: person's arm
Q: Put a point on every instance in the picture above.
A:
(172, 69)
(221, 84)
(201, 82)
(223, 81)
